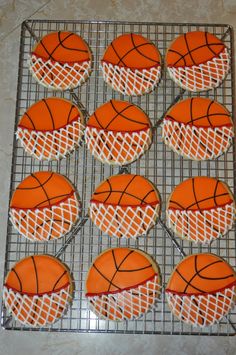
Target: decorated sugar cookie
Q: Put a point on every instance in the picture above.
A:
(44, 206)
(123, 284)
(38, 290)
(51, 128)
(201, 209)
(61, 60)
(125, 205)
(198, 61)
(118, 132)
(198, 128)
(131, 64)
(201, 289)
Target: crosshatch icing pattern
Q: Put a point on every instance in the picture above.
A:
(159, 164)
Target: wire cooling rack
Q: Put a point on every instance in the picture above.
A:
(162, 166)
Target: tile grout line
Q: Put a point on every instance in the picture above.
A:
(17, 26)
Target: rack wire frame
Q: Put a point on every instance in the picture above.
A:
(162, 166)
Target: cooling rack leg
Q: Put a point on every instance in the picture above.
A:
(170, 235)
(75, 232)
(29, 29)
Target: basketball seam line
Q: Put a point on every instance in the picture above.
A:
(32, 122)
(125, 117)
(135, 47)
(192, 50)
(42, 186)
(199, 201)
(208, 110)
(168, 116)
(55, 197)
(50, 130)
(117, 113)
(50, 54)
(35, 187)
(64, 273)
(117, 269)
(30, 294)
(104, 276)
(19, 280)
(190, 54)
(50, 113)
(68, 48)
(110, 191)
(110, 293)
(197, 273)
(36, 275)
(126, 187)
(125, 192)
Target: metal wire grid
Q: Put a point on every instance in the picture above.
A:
(163, 167)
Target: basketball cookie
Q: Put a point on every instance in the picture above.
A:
(201, 289)
(125, 205)
(198, 128)
(131, 64)
(201, 209)
(44, 206)
(123, 284)
(50, 129)
(61, 61)
(118, 132)
(38, 290)
(198, 61)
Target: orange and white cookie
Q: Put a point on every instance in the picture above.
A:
(61, 60)
(201, 209)
(198, 61)
(51, 128)
(123, 284)
(198, 128)
(38, 290)
(131, 64)
(201, 289)
(118, 132)
(44, 206)
(125, 205)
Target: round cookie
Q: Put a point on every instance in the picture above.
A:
(125, 205)
(201, 209)
(61, 60)
(201, 289)
(44, 206)
(118, 132)
(122, 284)
(198, 128)
(131, 64)
(38, 290)
(50, 128)
(198, 61)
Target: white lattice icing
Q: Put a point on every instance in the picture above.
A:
(42, 224)
(126, 222)
(127, 304)
(202, 226)
(202, 310)
(55, 75)
(53, 144)
(204, 76)
(131, 81)
(117, 147)
(37, 310)
(197, 143)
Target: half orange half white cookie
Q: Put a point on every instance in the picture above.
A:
(131, 64)
(123, 284)
(60, 60)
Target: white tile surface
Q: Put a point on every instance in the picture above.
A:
(12, 13)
